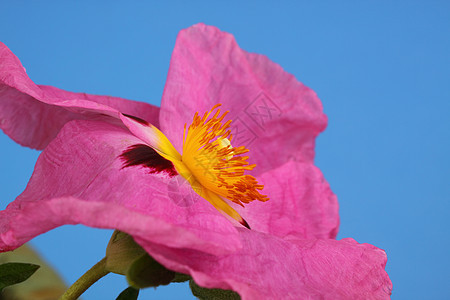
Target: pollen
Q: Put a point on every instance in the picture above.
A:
(213, 161)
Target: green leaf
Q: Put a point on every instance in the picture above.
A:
(147, 272)
(129, 293)
(12, 273)
(44, 285)
(206, 294)
(180, 277)
(121, 252)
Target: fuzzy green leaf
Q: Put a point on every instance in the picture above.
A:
(129, 293)
(121, 252)
(217, 294)
(147, 272)
(179, 277)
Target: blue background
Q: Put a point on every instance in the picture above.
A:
(380, 68)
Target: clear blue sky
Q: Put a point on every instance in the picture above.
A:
(381, 69)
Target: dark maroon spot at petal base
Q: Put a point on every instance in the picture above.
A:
(143, 155)
(139, 120)
(245, 224)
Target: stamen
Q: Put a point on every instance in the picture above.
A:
(215, 163)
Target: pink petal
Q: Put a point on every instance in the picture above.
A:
(32, 115)
(273, 114)
(80, 178)
(301, 204)
(268, 267)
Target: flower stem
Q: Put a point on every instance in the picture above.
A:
(85, 281)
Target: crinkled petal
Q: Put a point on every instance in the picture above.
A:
(32, 115)
(80, 178)
(268, 267)
(301, 204)
(273, 114)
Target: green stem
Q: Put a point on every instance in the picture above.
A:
(85, 281)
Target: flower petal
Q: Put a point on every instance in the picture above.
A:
(151, 135)
(80, 177)
(268, 267)
(273, 114)
(301, 204)
(32, 115)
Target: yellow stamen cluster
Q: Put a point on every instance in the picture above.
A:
(219, 167)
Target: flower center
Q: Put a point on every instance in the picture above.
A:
(215, 163)
(212, 166)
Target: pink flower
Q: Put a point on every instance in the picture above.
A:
(96, 169)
